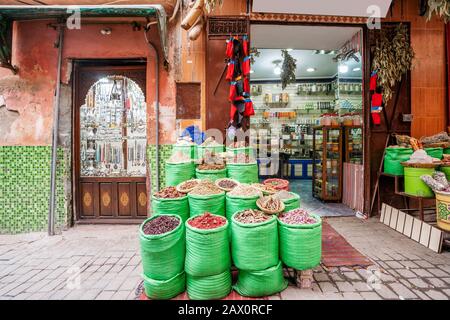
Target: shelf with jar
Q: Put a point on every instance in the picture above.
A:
(327, 174)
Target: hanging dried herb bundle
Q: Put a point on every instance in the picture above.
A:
(288, 69)
(210, 5)
(254, 52)
(440, 7)
(393, 56)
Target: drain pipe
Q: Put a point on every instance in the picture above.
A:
(52, 204)
(152, 46)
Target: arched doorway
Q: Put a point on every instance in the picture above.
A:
(110, 144)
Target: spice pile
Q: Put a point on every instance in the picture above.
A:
(284, 195)
(251, 216)
(264, 188)
(277, 184)
(270, 203)
(226, 183)
(437, 182)
(241, 158)
(245, 190)
(179, 157)
(169, 192)
(207, 221)
(188, 185)
(445, 160)
(211, 166)
(160, 225)
(420, 156)
(184, 141)
(238, 144)
(206, 187)
(210, 142)
(297, 216)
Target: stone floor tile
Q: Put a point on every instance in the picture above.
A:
(402, 291)
(370, 296)
(422, 273)
(438, 272)
(327, 287)
(436, 295)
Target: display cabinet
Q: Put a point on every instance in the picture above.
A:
(327, 163)
(353, 144)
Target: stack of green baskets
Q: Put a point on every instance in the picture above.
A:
(163, 262)
(301, 244)
(254, 249)
(208, 262)
(393, 158)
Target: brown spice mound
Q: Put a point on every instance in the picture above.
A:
(251, 216)
(161, 224)
(169, 192)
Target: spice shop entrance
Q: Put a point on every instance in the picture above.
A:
(110, 142)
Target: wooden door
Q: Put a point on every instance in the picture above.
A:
(110, 142)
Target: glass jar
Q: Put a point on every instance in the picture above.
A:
(357, 120)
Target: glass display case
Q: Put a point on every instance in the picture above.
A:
(327, 163)
(113, 129)
(353, 144)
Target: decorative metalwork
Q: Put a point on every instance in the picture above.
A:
(124, 199)
(106, 199)
(142, 199)
(87, 199)
(305, 18)
(225, 26)
(113, 129)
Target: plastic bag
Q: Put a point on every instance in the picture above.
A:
(179, 172)
(164, 289)
(177, 206)
(210, 287)
(243, 172)
(214, 204)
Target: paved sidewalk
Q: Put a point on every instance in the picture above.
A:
(102, 262)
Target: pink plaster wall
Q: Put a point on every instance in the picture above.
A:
(31, 91)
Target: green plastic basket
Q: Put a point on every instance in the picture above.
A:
(414, 185)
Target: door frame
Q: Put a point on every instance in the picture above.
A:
(366, 69)
(106, 65)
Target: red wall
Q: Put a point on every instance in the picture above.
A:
(30, 92)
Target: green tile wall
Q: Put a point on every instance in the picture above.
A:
(25, 188)
(165, 151)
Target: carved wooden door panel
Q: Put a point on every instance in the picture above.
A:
(110, 143)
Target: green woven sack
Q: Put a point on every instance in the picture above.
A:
(163, 254)
(207, 251)
(435, 152)
(164, 289)
(292, 203)
(446, 151)
(208, 288)
(254, 246)
(301, 245)
(199, 204)
(186, 150)
(179, 172)
(201, 150)
(177, 206)
(262, 282)
(212, 175)
(234, 203)
(242, 150)
(393, 167)
(398, 153)
(243, 172)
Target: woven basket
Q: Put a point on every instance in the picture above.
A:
(263, 190)
(178, 187)
(226, 189)
(421, 165)
(281, 209)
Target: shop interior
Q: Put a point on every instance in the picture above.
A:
(314, 123)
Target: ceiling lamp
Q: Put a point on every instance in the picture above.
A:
(311, 69)
(357, 69)
(277, 69)
(343, 68)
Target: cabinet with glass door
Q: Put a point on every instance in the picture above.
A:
(327, 163)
